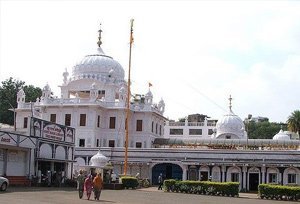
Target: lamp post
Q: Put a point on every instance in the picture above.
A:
(247, 128)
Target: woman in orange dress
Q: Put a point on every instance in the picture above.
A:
(98, 185)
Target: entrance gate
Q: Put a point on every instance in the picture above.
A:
(168, 170)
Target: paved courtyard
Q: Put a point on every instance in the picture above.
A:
(151, 195)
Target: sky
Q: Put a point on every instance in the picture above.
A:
(194, 53)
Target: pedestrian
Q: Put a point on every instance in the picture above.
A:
(88, 186)
(80, 183)
(113, 177)
(98, 186)
(160, 181)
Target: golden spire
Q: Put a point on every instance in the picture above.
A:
(99, 38)
(230, 104)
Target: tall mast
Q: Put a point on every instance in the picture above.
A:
(128, 100)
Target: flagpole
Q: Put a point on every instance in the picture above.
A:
(128, 101)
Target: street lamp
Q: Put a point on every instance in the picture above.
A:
(247, 127)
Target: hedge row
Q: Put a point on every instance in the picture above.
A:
(279, 192)
(202, 187)
(129, 182)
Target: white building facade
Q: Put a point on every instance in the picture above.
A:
(93, 101)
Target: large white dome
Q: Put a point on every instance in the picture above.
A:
(99, 67)
(230, 126)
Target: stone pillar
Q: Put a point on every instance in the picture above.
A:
(184, 173)
(244, 177)
(263, 172)
(223, 168)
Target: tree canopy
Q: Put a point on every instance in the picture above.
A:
(8, 97)
(294, 121)
(263, 130)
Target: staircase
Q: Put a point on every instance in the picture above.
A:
(18, 180)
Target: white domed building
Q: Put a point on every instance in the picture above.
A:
(93, 104)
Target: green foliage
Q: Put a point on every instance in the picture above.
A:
(279, 192)
(130, 182)
(8, 97)
(263, 130)
(202, 187)
(294, 121)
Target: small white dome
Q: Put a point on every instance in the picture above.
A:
(99, 160)
(46, 88)
(281, 136)
(149, 94)
(230, 126)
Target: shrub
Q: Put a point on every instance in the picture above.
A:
(203, 187)
(130, 182)
(277, 192)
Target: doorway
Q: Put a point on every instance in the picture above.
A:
(253, 181)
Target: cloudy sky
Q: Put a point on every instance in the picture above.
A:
(195, 53)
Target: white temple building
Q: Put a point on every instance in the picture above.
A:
(93, 103)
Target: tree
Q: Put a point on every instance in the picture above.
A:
(8, 97)
(294, 122)
(263, 130)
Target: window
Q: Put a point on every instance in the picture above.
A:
(235, 177)
(227, 137)
(195, 131)
(138, 145)
(139, 125)
(176, 131)
(98, 121)
(53, 118)
(272, 178)
(25, 122)
(81, 142)
(152, 128)
(97, 143)
(111, 143)
(159, 129)
(112, 122)
(82, 120)
(156, 128)
(210, 131)
(291, 178)
(68, 119)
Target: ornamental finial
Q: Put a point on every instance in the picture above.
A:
(99, 38)
(230, 104)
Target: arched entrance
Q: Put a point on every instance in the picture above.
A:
(168, 170)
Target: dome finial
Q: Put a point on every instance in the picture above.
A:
(230, 104)
(99, 38)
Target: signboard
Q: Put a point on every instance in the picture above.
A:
(52, 131)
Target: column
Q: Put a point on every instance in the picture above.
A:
(244, 177)
(223, 173)
(263, 172)
(184, 173)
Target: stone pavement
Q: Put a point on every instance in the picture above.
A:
(47, 195)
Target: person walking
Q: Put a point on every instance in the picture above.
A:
(88, 186)
(98, 186)
(160, 181)
(80, 183)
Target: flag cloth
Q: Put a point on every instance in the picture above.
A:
(150, 84)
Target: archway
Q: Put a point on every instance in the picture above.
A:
(168, 170)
